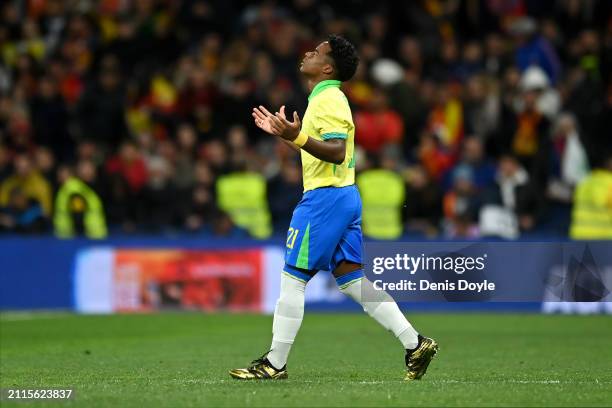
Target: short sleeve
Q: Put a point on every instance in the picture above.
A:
(331, 120)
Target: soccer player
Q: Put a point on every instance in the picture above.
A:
(325, 230)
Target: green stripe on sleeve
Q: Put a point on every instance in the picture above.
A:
(334, 135)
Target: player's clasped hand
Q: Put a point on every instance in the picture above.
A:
(277, 124)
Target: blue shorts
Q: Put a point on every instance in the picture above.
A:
(325, 230)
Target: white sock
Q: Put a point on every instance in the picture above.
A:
(288, 317)
(383, 309)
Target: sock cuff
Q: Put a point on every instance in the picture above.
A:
(345, 280)
(297, 273)
(276, 339)
(405, 329)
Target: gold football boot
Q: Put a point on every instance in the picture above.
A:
(260, 369)
(418, 360)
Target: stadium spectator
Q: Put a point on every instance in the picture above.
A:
(526, 132)
(185, 158)
(200, 209)
(359, 89)
(89, 173)
(198, 204)
(197, 97)
(423, 208)
(223, 226)
(242, 196)
(534, 49)
(496, 56)
(49, 118)
(547, 98)
(30, 182)
(127, 176)
(446, 117)
(284, 192)
(215, 153)
(407, 101)
(159, 195)
(516, 192)
(481, 107)
(383, 193)
(378, 125)
(461, 205)
(44, 161)
(87, 150)
(78, 208)
(129, 166)
(433, 157)
(5, 162)
(100, 110)
(593, 204)
(22, 214)
(569, 159)
(482, 169)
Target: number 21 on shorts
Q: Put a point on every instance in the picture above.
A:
(291, 236)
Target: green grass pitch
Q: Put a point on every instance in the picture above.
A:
(182, 359)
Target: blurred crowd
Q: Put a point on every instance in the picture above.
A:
(123, 115)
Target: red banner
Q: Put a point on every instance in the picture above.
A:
(188, 279)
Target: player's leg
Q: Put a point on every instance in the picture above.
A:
(382, 308)
(377, 304)
(347, 269)
(288, 314)
(316, 228)
(289, 310)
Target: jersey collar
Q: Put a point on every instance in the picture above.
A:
(328, 83)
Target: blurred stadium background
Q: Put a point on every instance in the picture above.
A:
(133, 178)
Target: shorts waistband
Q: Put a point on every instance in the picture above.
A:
(331, 188)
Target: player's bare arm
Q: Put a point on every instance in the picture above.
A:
(332, 151)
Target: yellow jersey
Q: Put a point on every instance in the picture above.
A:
(328, 116)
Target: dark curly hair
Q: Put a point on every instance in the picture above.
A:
(344, 55)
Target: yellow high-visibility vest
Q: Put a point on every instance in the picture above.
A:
(243, 197)
(592, 212)
(382, 193)
(93, 216)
